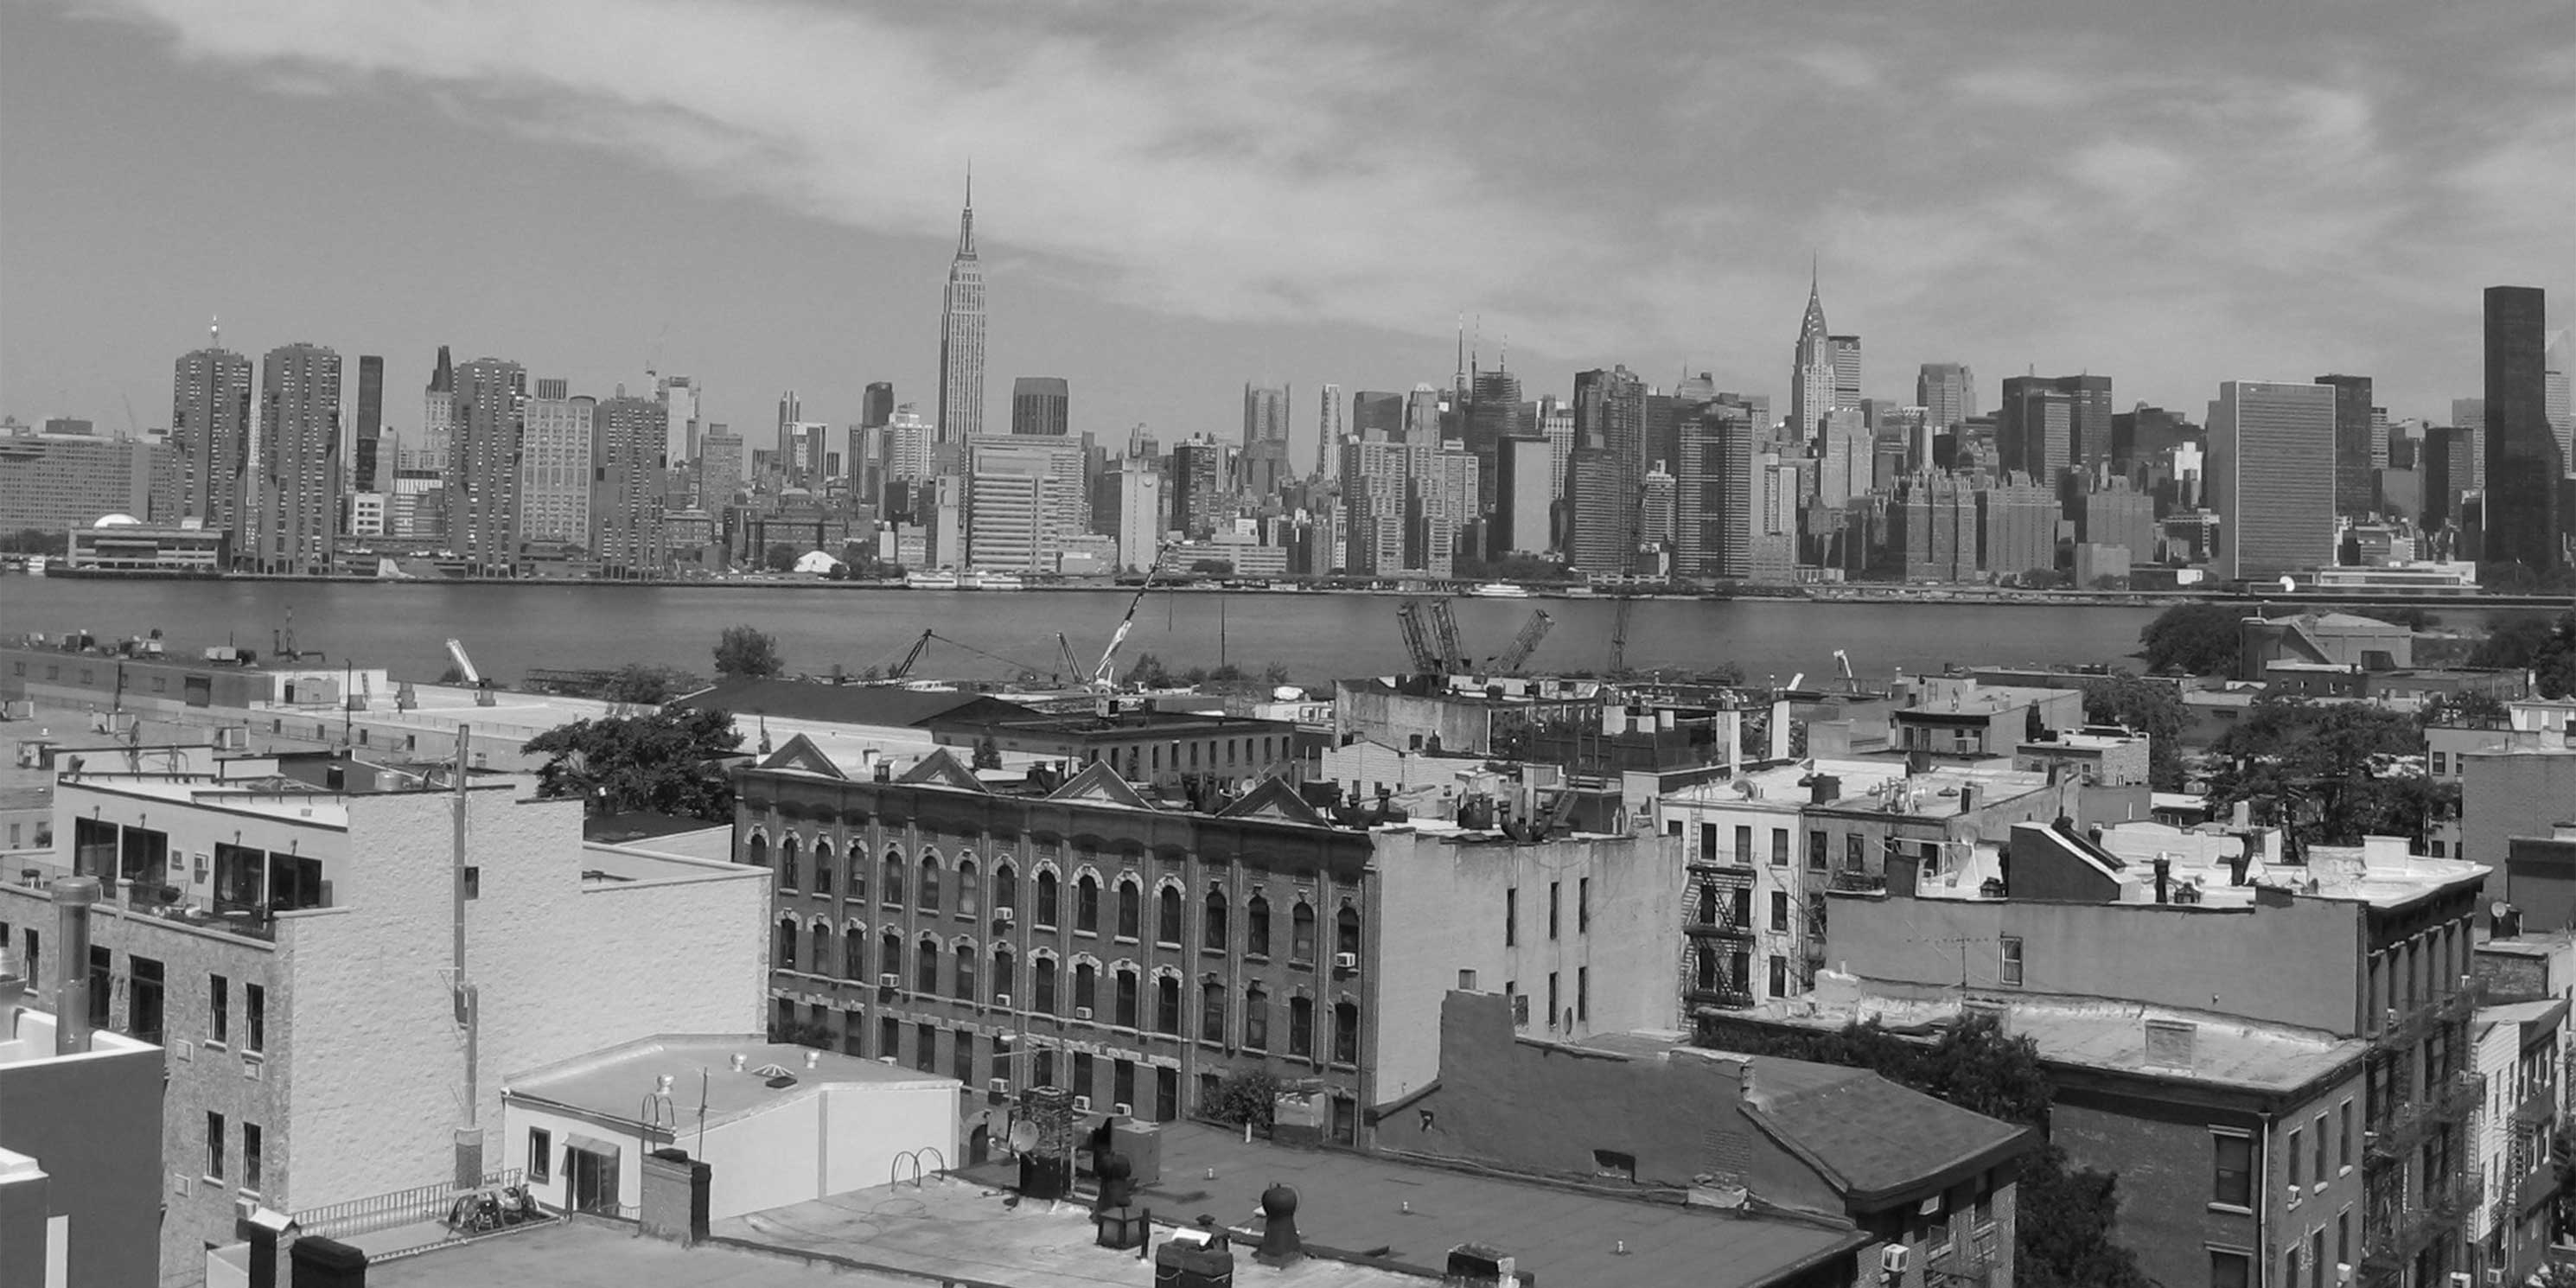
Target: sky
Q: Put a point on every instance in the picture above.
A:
(1174, 199)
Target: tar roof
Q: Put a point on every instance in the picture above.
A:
(611, 1083)
(884, 705)
(1356, 1203)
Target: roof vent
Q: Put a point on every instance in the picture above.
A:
(2170, 1043)
(773, 1070)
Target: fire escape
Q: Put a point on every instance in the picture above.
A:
(1720, 930)
(2419, 1154)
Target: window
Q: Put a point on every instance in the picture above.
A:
(1583, 905)
(102, 977)
(1301, 1026)
(1044, 912)
(1552, 1011)
(1779, 975)
(1256, 1016)
(2290, 1160)
(219, 1011)
(1211, 1011)
(1779, 847)
(473, 884)
(1744, 846)
(1301, 933)
(787, 864)
(1126, 998)
(1552, 888)
(254, 1018)
(143, 1006)
(2343, 1139)
(961, 984)
(2008, 969)
(1511, 916)
(1086, 987)
(1346, 932)
(1346, 1033)
(1780, 910)
(1167, 1005)
(94, 848)
(1086, 904)
(961, 1057)
(1042, 983)
(1006, 889)
(214, 1147)
(2233, 1183)
(889, 1036)
(927, 898)
(541, 1155)
(787, 943)
(2230, 1269)
(925, 965)
(1816, 850)
(1256, 927)
(890, 957)
(1085, 1081)
(822, 867)
(893, 880)
(1131, 908)
(819, 954)
(2319, 1169)
(1212, 922)
(1708, 844)
(239, 871)
(1167, 917)
(1583, 993)
(1708, 905)
(1852, 853)
(854, 954)
(1122, 1073)
(969, 893)
(144, 856)
(1004, 981)
(925, 1048)
(250, 1157)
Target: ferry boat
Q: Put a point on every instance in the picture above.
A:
(931, 579)
(37, 564)
(1499, 590)
(990, 581)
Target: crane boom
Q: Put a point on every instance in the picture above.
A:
(1453, 649)
(1410, 617)
(1526, 642)
(1619, 635)
(456, 650)
(904, 667)
(1102, 676)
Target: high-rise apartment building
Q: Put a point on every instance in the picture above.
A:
(909, 440)
(1947, 392)
(299, 460)
(1373, 501)
(1440, 505)
(51, 481)
(378, 474)
(555, 462)
(961, 337)
(1713, 492)
(2275, 505)
(626, 514)
(1935, 520)
(1525, 497)
(210, 429)
(1024, 498)
(1328, 428)
(1140, 513)
(679, 396)
(1041, 405)
(720, 467)
(1811, 372)
(1265, 414)
(1845, 350)
(2526, 471)
(2356, 478)
(2017, 527)
(1609, 419)
(483, 476)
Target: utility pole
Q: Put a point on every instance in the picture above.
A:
(469, 1133)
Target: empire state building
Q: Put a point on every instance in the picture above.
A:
(961, 337)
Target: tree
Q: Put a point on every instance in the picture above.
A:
(745, 652)
(637, 684)
(659, 762)
(2513, 643)
(2198, 639)
(781, 557)
(1213, 567)
(2063, 1227)
(2332, 773)
(1245, 1096)
(2152, 708)
(2466, 709)
(1148, 672)
(988, 754)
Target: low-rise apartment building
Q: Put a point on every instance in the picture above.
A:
(80, 1136)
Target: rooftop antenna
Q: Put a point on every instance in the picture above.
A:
(214, 331)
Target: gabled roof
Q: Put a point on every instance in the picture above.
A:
(1273, 800)
(801, 753)
(1098, 782)
(882, 705)
(1875, 1141)
(940, 769)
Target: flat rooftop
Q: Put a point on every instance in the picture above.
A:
(612, 1082)
(575, 1254)
(28, 1038)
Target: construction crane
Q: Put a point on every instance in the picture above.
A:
(1414, 621)
(1619, 635)
(1525, 643)
(1072, 669)
(904, 667)
(464, 664)
(1104, 677)
(1851, 683)
(1444, 632)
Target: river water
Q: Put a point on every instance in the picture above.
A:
(404, 626)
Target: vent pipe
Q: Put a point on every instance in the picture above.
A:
(2164, 877)
(73, 898)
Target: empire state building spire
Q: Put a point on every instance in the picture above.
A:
(961, 336)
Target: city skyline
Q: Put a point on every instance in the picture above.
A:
(1158, 313)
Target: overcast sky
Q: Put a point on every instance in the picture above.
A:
(1173, 198)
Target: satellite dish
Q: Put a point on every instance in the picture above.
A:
(2289, 585)
(1024, 1136)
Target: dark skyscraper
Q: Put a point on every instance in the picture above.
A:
(210, 396)
(483, 477)
(371, 402)
(2524, 465)
(1603, 483)
(2034, 428)
(1377, 417)
(2356, 483)
(299, 460)
(1040, 405)
(1265, 414)
(876, 410)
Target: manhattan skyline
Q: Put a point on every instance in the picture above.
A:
(1167, 216)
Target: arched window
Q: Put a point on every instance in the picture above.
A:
(927, 897)
(1128, 996)
(820, 954)
(1256, 927)
(1301, 1026)
(1131, 907)
(890, 957)
(1346, 933)
(1005, 983)
(1346, 1033)
(1167, 916)
(969, 895)
(893, 892)
(1086, 903)
(1086, 987)
(787, 943)
(1167, 1005)
(1042, 986)
(962, 985)
(822, 866)
(756, 853)
(1256, 1016)
(1212, 1011)
(1212, 921)
(1301, 933)
(926, 967)
(1006, 887)
(1043, 909)
(787, 864)
(854, 952)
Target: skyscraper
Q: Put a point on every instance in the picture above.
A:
(1845, 350)
(483, 477)
(2356, 483)
(2555, 395)
(876, 408)
(627, 438)
(2525, 468)
(1041, 405)
(369, 427)
(1811, 372)
(1421, 415)
(210, 418)
(1607, 469)
(2275, 505)
(299, 460)
(1328, 428)
(2035, 428)
(555, 464)
(1376, 417)
(1024, 497)
(679, 398)
(1265, 413)
(961, 337)
(438, 415)
(1524, 497)
(1947, 392)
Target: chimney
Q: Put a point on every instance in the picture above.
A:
(1824, 789)
(2164, 879)
(2236, 864)
(1779, 731)
(1967, 798)
(73, 898)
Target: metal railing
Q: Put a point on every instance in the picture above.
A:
(401, 1207)
(2394, 1134)
(2397, 1234)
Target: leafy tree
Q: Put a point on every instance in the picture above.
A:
(2467, 709)
(35, 541)
(2110, 581)
(1148, 671)
(638, 684)
(1245, 1096)
(2331, 772)
(2514, 643)
(802, 1033)
(2199, 639)
(2150, 707)
(2063, 1227)
(781, 557)
(988, 754)
(660, 762)
(1274, 674)
(745, 652)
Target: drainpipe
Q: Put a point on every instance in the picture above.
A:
(73, 898)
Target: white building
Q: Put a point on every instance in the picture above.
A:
(555, 469)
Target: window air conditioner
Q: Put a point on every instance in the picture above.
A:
(1894, 1259)
(1082, 1012)
(1082, 1104)
(1002, 916)
(1346, 961)
(1122, 1110)
(1002, 1000)
(2343, 1272)
(244, 1209)
(889, 980)
(999, 1086)
(2463, 1279)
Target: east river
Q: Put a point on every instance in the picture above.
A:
(404, 626)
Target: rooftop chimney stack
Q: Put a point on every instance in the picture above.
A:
(2164, 879)
(73, 898)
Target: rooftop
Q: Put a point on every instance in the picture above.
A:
(2379, 872)
(611, 1083)
(27, 1037)
(886, 705)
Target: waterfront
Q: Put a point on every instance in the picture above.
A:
(510, 628)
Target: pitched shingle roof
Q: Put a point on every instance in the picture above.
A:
(1878, 1142)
